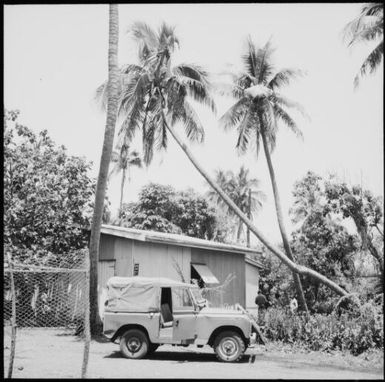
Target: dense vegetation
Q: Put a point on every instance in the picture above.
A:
(48, 196)
(163, 209)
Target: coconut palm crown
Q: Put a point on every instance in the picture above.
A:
(153, 93)
(239, 187)
(368, 26)
(259, 104)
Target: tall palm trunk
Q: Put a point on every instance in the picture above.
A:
(121, 191)
(278, 208)
(300, 269)
(112, 108)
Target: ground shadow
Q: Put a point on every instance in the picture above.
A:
(101, 339)
(181, 357)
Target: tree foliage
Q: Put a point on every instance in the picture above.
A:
(154, 93)
(238, 186)
(322, 240)
(48, 195)
(368, 26)
(365, 210)
(161, 208)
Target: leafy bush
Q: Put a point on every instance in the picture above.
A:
(356, 330)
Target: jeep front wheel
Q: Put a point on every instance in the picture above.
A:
(134, 344)
(229, 346)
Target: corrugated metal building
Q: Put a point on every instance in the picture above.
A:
(130, 252)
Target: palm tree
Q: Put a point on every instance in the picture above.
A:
(153, 92)
(368, 26)
(240, 188)
(123, 159)
(154, 98)
(258, 108)
(112, 108)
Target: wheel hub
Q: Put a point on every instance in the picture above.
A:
(133, 345)
(229, 347)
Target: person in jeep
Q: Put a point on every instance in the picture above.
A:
(143, 313)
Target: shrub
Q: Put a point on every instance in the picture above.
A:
(356, 330)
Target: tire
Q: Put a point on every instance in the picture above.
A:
(229, 346)
(152, 348)
(134, 344)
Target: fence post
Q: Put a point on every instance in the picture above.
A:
(13, 319)
(87, 335)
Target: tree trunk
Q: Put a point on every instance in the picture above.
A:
(121, 191)
(376, 255)
(239, 231)
(278, 208)
(292, 266)
(249, 216)
(112, 108)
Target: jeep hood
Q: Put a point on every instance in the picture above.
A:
(221, 311)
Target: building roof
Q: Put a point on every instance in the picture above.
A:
(139, 281)
(174, 239)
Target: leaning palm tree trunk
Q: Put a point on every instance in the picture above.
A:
(278, 208)
(112, 108)
(300, 269)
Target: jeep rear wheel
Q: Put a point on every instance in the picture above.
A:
(134, 344)
(229, 346)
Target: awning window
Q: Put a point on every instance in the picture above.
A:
(205, 273)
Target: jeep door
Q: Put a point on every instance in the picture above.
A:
(185, 315)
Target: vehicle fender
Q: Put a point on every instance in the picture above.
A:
(221, 329)
(126, 327)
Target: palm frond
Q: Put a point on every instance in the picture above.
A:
(235, 114)
(194, 72)
(148, 134)
(135, 91)
(193, 127)
(371, 63)
(161, 134)
(367, 26)
(132, 122)
(146, 39)
(246, 129)
(114, 170)
(250, 58)
(286, 102)
(284, 77)
(264, 68)
(134, 159)
(196, 82)
(287, 120)
(167, 38)
(228, 90)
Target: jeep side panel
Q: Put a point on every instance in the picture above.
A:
(114, 321)
(207, 323)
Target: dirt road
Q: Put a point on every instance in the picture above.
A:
(53, 354)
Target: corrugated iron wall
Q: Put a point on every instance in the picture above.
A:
(221, 265)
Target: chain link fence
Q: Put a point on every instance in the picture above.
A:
(49, 294)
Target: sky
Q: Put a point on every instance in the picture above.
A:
(56, 55)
